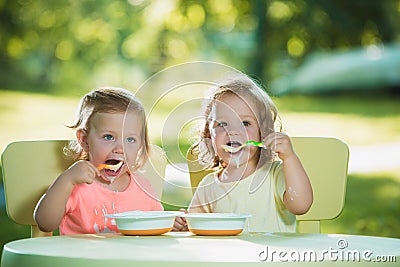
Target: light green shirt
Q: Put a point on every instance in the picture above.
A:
(260, 194)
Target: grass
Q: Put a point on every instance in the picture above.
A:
(372, 199)
(358, 120)
(371, 207)
(34, 116)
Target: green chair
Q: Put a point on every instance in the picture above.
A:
(29, 167)
(325, 160)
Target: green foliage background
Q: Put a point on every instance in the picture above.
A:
(69, 47)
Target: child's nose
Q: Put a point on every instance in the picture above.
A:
(232, 130)
(118, 147)
(235, 128)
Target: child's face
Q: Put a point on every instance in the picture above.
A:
(233, 123)
(114, 137)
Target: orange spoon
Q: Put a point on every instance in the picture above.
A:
(110, 167)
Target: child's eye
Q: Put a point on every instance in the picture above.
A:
(246, 123)
(108, 137)
(222, 124)
(131, 140)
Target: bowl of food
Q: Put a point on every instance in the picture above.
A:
(144, 222)
(216, 223)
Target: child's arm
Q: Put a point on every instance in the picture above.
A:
(298, 196)
(51, 207)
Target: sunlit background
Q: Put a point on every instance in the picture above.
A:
(332, 67)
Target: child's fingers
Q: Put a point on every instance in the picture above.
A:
(179, 224)
(93, 173)
(97, 172)
(270, 141)
(275, 139)
(280, 143)
(81, 172)
(93, 168)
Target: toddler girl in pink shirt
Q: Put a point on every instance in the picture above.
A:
(111, 131)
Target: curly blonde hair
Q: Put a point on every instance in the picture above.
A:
(257, 99)
(107, 100)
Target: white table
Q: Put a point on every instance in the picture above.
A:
(174, 249)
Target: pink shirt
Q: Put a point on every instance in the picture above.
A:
(88, 203)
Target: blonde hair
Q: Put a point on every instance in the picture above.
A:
(107, 100)
(261, 104)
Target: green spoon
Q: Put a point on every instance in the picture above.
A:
(232, 149)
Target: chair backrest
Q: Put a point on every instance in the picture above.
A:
(29, 167)
(325, 159)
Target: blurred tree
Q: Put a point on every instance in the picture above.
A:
(71, 46)
(256, 66)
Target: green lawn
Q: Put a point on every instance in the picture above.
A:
(371, 207)
(372, 199)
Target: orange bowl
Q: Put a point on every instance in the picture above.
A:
(221, 224)
(144, 222)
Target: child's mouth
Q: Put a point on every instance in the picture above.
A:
(234, 144)
(232, 147)
(113, 168)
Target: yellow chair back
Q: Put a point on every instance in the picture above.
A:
(326, 160)
(29, 167)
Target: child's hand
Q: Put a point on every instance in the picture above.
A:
(81, 172)
(180, 223)
(279, 143)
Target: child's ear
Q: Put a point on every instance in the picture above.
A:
(82, 140)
